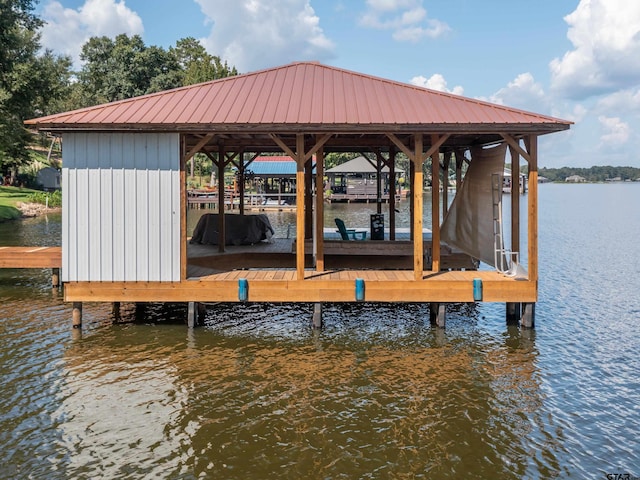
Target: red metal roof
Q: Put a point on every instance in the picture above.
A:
(298, 94)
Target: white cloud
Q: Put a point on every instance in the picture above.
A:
(407, 19)
(436, 82)
(627, 101)
(606, 45)
(254, 34)
(616, 133)
(66, 29)
(523, 92)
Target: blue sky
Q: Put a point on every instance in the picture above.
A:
(574, 59)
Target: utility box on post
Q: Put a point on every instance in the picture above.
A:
(377, 226)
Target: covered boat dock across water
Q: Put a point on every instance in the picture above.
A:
(125, 235)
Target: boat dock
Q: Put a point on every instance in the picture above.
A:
(125, 233)
(33, 257)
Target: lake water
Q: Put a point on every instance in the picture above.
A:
(377, 394)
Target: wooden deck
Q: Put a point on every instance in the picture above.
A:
(270, 272)
(30, 257)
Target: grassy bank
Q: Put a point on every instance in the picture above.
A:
(9, 197)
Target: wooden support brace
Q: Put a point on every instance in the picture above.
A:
(55, 277)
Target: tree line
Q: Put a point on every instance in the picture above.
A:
(592, 174)
(34, 82)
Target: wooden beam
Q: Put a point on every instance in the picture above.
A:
(392, 193)
(445, 183)
(435, 204)
(378, 166)
(443, 287)
(203, 141)
(403, 148)
(417, 184)
(300, 196)
(318, 145)
(513, 143)
(308, 198)
(319, 209)
(532, 144)
(436, 143)
(221, 194)
(183, 209)
(515, 200)
(459, 160)
(285, 148)
(240, 166)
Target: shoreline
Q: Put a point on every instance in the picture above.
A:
(31, 210)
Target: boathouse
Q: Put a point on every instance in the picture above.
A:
(360, 180)
(125, 235)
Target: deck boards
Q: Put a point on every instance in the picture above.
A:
(30, 257)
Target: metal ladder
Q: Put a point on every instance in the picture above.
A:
(506, 261)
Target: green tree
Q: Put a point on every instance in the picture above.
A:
(29, 83)
(197, 64)
(124, 68)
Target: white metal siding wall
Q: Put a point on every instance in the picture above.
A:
(121, 207)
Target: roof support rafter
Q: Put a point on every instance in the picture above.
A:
(285, 148)
(403, 148)
(436, 143)
(203, 141)
(515, 144)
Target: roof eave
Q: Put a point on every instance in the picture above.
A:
(227, 128)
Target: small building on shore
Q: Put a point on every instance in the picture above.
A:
(575, 179)
(49, 178)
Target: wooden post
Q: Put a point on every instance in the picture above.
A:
(241, 180)
(379, 182)
(529, 309)
(319, 236)
(445, 184)
(308, 199)
(317, 316)
(300, 203)
(459, 160)
(115, 310)
(417, 183)
(513, 312)
(435, 207)
(221, 230)
(515, 200)
(76, 315)
(532, 141)
(184, 205)
(438, 314)
(392, 193)
(412, 176)
(192, 314)
(528, 319)
(55, 277)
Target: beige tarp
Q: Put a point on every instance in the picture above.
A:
(468, 225)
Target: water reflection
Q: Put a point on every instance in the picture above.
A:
(242, 398)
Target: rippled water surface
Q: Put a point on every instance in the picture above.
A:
(378, 393)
